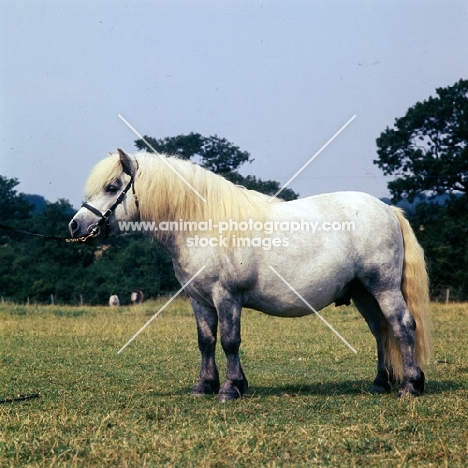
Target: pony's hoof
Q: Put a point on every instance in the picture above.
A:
(205, 387)
(224, 397)
(408, 391)
(412, 387)
(404, 393)
(232, 390)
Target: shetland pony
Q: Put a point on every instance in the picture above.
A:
(378, 264)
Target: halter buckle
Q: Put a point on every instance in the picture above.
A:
(94, 230)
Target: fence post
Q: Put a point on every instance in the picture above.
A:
(447, 295)
(52, 299)
(81, 299)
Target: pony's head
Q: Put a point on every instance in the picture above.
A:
(110, 197)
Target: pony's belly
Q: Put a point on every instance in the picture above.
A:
(286, 313)
(280, 308)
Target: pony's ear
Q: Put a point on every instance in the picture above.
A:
(127, 162)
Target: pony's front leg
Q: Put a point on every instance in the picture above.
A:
(207, 325)
(235, 385)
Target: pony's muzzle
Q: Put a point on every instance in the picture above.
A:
(92, 232)
(76, 230)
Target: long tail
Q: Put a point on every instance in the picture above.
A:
(415, 289)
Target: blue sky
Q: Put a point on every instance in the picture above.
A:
(277, 78)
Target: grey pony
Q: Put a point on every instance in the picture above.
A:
(379, 264)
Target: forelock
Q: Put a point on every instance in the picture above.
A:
(105, 172)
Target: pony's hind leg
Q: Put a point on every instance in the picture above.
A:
(403, 326)
(207, 325)
(370, 310)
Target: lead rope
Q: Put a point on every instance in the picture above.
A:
(61, 239)
(92, 233)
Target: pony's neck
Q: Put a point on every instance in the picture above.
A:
(170, 189)
(174, 192)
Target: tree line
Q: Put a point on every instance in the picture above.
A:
(426, 152)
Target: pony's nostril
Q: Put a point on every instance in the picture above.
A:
(73, 226)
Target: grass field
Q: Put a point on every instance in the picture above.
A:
(307, 405)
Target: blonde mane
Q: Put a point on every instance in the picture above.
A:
(164, 196)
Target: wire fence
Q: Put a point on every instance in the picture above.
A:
(444, 295)
(80, 301)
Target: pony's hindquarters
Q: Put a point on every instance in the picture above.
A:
(415, 290)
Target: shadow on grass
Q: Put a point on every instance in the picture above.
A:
(328, 388)
(350, 387)
(436, 387)
(346, 387)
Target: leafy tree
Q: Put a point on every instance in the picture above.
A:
(13, 206)
(443, 232)
(36, 268)
(268, 187)
(428, 152)
(14, 209)
(428, 148)
(217, 155)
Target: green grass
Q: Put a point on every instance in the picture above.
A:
(308, 403)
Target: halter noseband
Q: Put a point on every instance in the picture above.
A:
(95, 229)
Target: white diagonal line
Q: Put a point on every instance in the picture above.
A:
(161, 309)
(312, 158)
(162, 158)
(313, 310)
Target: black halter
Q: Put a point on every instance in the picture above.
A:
(95, 229)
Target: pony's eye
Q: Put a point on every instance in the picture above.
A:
(112, 189)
